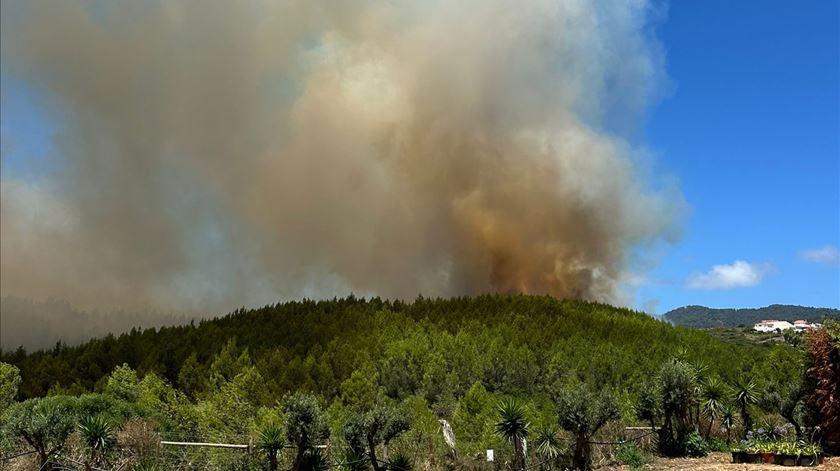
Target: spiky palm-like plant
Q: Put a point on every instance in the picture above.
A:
(271, 440)
(548, 446)
(400, 462)
(514, 427)
(727, 420)
(98, 437)
(712, 396)
(746, 394)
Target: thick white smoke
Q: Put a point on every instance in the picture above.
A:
(213, 154)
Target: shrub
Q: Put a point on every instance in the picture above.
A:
(823, 376)
(716, 444)
(629, 454)
(695, 445)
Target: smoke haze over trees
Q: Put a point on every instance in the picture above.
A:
(36, 325)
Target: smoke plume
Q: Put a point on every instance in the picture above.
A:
(213, 154)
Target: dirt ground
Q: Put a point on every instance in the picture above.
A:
(720, 462)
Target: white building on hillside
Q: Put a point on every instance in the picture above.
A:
(772, 326)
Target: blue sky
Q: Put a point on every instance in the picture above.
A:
(748, 125)
(750, 128)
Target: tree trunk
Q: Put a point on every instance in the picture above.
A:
(519, 454)
(372, 454)
(746, 420)
(580, 461)
(272, 460)
(709, 429)
(298, 459)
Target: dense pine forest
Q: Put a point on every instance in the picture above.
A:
(361, 374)
(511, 345)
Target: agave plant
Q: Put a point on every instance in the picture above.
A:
(514, 427)
(271, 440)
(98, 437)
(400, 462)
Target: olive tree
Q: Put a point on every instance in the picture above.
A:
(43, 423)
(364, 432)
(306, 426)
(582, 413)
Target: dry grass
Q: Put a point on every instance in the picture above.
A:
(719, 462)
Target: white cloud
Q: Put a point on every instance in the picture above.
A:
(827, 254)
(739, 274)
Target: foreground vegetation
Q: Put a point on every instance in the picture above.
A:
(379, 382)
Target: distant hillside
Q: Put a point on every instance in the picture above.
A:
(705, 317)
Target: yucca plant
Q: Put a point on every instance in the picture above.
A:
(548, 446)
(271, 440)
(514, 427)
(727, 421)
(746, 394)
(314, 460)
(712, 395)
(98, 437)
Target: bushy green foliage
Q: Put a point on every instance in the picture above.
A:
(630, 455)
(695, 445)
(9, 384)
(123, 384)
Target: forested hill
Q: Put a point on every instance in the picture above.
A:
(704, 317)
(518, 345)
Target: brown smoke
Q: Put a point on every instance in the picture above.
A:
(214, 153)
